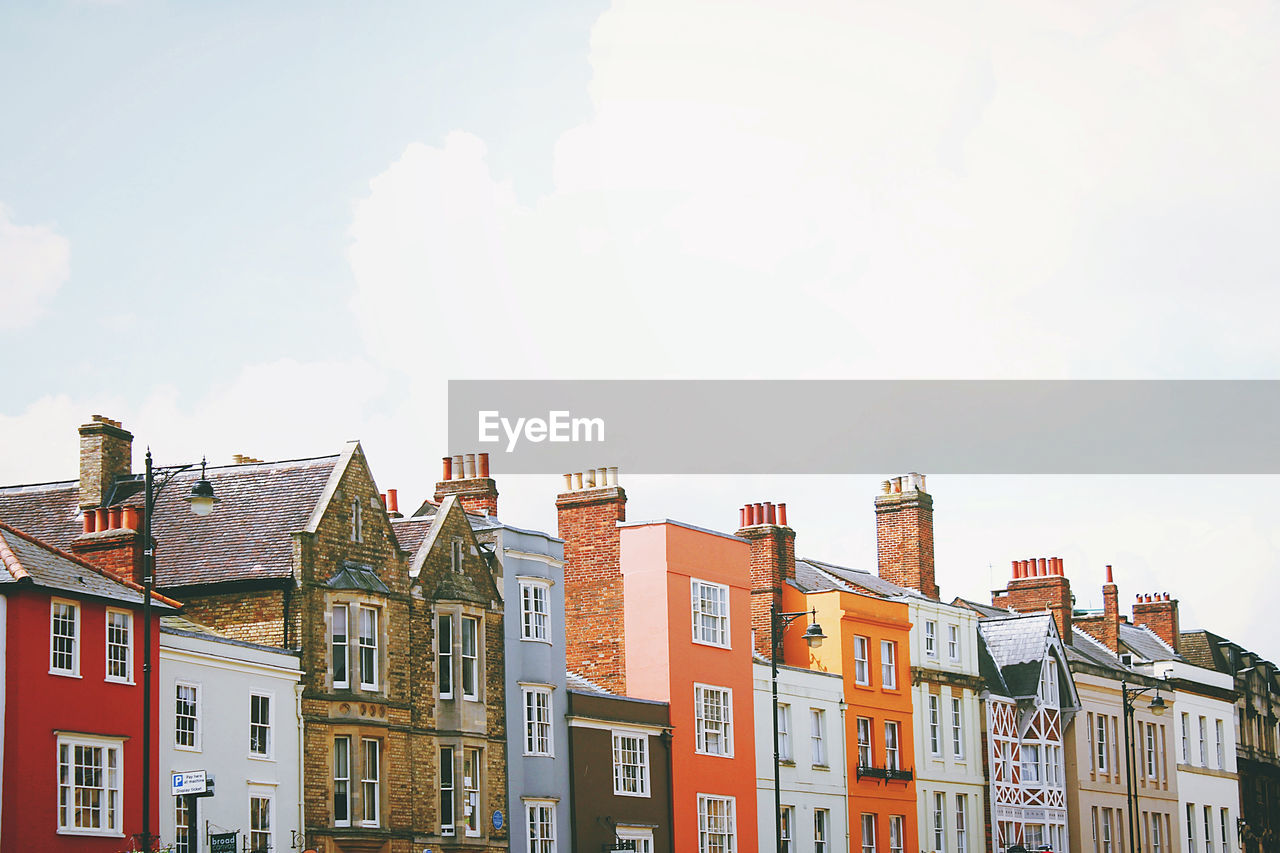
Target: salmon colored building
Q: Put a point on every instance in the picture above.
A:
(687, 606)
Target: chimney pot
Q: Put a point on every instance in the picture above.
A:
(90, 521)
(383, 497)
(742, 517)
(457, 466)
(782, 514)
(484, 464)
(447, 473)
(103, 521)
(469, 466)
(1110, 577)
(568, 482)
(1015, 569)
(132, 518)
(613, 475)
(1044, 567)
(769, 516)
(113, 516)
(577, 480)
(886, 487)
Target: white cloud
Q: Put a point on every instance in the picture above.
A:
(34, 262)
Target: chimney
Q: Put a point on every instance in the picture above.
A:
(1039, 584)
(589, 510)
(106, 452)
(773, 563)
(904, 534)
(1105, 626)
(112, 540)
(1160, 614)
(476, 490)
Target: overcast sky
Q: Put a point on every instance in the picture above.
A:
(267, 230)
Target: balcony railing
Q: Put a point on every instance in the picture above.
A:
(889, 774)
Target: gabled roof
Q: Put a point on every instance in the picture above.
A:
(246, 537)
(1018, 646)
(26, 561)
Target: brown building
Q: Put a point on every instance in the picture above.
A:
(301, 554)
(621, 756)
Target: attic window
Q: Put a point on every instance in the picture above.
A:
(455, 555)
(1126, 659)
(357, 521)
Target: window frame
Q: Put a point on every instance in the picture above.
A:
(470, 663)
(729, 817)
(962, 823)
(785, 754)
(935, 724)
(127, 678)
(641, 777)
(867, 832)
(372, 648)
(448, 768)
(786, 821)
(183, 831)
(346, 780)
(535, 621)
(270, 753)
(892, 745)
(930, 638)
(444, 656)
(267, 797)
(821, 830)
(536, 698)
(716, 633)
(54, 669)
(939, 821)
(345, 657)
(725, 723)
(865, 749)
(896, 834)
(957, 729)
(953, 642)
(818, 738)
(534, 811)
(197, 730)
(474, 756)
(888, 665)
(368, 783)
(109, 828)
(861, 660)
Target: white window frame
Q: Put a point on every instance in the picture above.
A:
(127, 678)
(444, 656)
(818, 737)
(112, 815)
(784, 733)
(1218, 737)
(368, 645)
(269, 798)
(704, 726)
(710, 623)
(343, 780)
(867, 829)
(953, 642)
(537, 720)
(1150, 750)
(642, 836)
(939, 821)
(638, 779)
(866, 748)
(1204, 742)
(343, 655)
(962, 823)
(930, 638)
(269, 754)
(1191, 828)
(370, 782)
(535, 610)
(1103, 747)
(861, 660)
(1031, 755)
(888, 664)
(1186, 738)
(470, 663)
(448, 786)
(892, 746)
(729, 832)
(896, 840)
(821, 830)
(935, 725)
(957, 728)
(198, 729)
(1225, 815)
(786, 821)
(181, 825)
(54, 669)
(540, 825)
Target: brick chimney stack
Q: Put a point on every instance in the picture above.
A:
(1105, 627)
(588, 511)
(1159, 613)
(106, 452)
(1039, 584)
(773, 563)
(904, 534)
(467, 476)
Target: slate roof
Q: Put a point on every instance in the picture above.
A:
(183, 627)
(1145, 644)
(27, 561)
(985, 610)
(817, 576)
(246, 537)
(359, 578)
(989, 671)
(1017, 646)
(1201, 649)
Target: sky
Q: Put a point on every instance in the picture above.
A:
(267, 230)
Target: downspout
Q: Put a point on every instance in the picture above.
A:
(297, 700)
(668, 736)
(844, 748)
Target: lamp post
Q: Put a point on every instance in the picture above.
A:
(1157, 706)
(201, 500)
(778, 622)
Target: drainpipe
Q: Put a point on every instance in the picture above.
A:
(297, 704)
(844, 748)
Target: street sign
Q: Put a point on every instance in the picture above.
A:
(190, 782)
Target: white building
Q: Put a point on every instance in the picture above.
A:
(1204, 730)
(231, 709)
(811, 749)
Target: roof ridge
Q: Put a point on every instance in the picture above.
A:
(134, 585)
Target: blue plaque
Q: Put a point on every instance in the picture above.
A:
(497, 818)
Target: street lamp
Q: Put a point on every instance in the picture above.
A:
(1157, 707)
(778, 622)
(201, 500)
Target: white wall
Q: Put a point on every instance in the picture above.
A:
(226, 672)
(803, 786)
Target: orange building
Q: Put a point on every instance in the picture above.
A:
(866, 642)
(687, 605)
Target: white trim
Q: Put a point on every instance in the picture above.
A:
(333, 781)
(605, 725)
(535, 584)
(727, 724)
(531, 732)
(74, 672)
(345, 607)
(270, 797)
(722, 618)
(374, 686)
(229, 663)
(270, 754)
(331, 486)
(106, 743)
(644, 779)
(376, 781)
(199, 732)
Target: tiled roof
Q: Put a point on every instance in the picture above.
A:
(411, 531)
(1085, 648)
(989, 671)
(1016, 639)
(820, 575)
(27, 560)
(1201, 649)
(246, 537)
(1144, 643)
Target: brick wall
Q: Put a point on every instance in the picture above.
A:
(118, 552)
(594, 613)
(1027, 593)
(1158, 612)
(254, 616)
(106, 452)
(478, 495)
(773, 563)
(1105, 627)
(904, 536)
